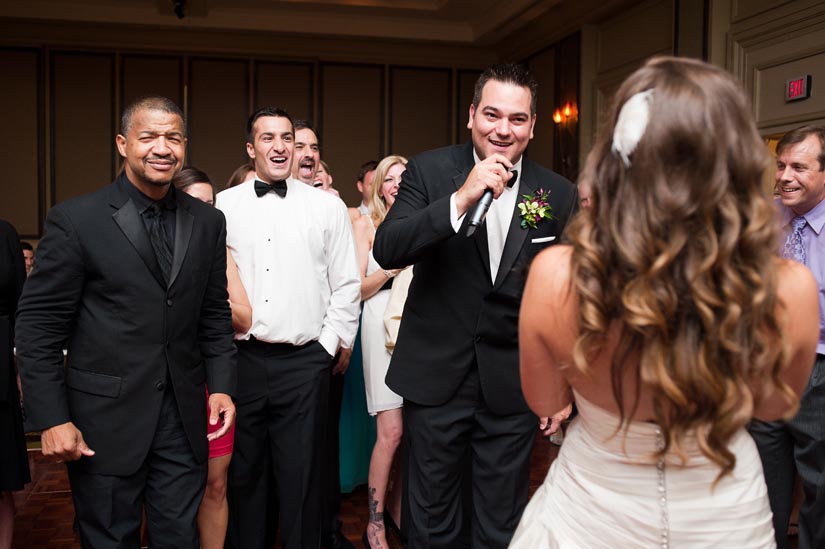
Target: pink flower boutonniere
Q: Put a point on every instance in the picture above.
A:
(534, 208)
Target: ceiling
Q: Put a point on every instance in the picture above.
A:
(475, 23)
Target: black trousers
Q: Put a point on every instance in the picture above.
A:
(439, 443)
(797, 446)
(169, 484)
(282, 403)
(332, 467)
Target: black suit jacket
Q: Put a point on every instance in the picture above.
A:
(455, 317)
(98, 291)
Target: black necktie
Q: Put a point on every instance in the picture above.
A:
(160, 239)
(279, 188)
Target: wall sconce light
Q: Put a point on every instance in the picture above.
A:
(566, 119)
(567, 114)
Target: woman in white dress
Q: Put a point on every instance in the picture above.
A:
(670, 321)
(381, 400)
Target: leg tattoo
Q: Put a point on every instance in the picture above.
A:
(376, 522)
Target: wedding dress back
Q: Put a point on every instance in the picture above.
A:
(608, 490)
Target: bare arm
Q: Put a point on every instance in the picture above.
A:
(799, 321)
(545, 329)
(364, 235)
(238, 300)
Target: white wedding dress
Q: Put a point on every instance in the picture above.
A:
(606, 491)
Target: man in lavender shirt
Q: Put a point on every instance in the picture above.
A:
(799, 445)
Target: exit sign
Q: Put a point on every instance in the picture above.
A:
(798, 88)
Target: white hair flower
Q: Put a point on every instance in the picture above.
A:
(633, 118)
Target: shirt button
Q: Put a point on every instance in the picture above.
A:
(169, 302)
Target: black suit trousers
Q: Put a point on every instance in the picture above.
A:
(169, 484)
(458, 446)
(798, 445)
(281, 426)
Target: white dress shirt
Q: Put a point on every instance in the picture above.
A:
(498, 218)
(297, 262)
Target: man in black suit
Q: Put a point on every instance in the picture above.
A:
(456, 360)
(131, 279)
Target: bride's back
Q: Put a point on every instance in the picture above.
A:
(669, 305)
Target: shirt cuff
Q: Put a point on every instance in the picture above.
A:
(329, 340)
(455, 220)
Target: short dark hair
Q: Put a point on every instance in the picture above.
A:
(366, 167)
(508, 73)
(265, 111)
(302, 124)
(799, 135)
(26, 245)
(152, 103)
(189, 176)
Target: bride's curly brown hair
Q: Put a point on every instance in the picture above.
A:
(678, 252)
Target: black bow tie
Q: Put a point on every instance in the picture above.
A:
(279, 188)
(513, 179)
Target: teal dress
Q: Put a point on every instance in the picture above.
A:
(356, 428)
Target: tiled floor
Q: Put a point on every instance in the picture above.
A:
(45, 513)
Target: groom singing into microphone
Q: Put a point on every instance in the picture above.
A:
(456, 359)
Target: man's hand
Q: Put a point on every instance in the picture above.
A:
(64, 442)
(491, 173)
(220, 404)
(342, 363)
(549, 425)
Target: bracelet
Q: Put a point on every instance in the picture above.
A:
(389, 274)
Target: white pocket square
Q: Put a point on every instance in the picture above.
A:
(543, 239)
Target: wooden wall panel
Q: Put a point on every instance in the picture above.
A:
(151, 75)
(19, 109)
(773, 46)
(543, 67)
(83, 129)
(286, 85)
(352, 124)
(464, 98)
(218, 110)
(621, 39)
(420, 110)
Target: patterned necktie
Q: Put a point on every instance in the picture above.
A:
(794, 246)
(160, 239)
(279, 188)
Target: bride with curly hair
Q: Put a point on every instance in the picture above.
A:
(671, 321)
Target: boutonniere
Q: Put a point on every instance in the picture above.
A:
(534, 208)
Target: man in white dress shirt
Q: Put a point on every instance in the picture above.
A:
(296, 258)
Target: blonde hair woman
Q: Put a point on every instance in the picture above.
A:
(381, 400)
(667, 319)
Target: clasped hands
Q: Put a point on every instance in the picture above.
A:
(491, 173)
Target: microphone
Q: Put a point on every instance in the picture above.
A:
(483, 205)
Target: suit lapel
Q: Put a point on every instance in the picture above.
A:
(183, 231)
(480, 236)
(516, 236)
(128, 219)
(465, 162)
